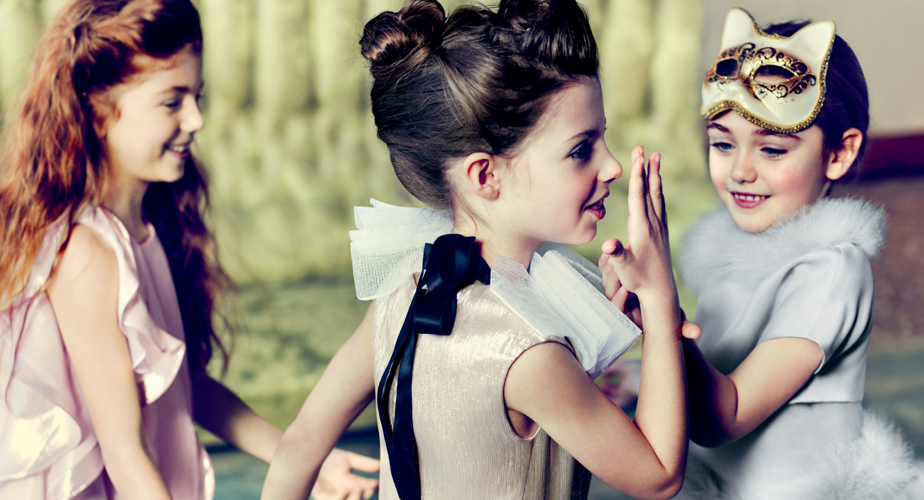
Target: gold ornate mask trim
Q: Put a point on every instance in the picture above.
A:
(775, 82)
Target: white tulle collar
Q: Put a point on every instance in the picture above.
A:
(716, 249)
(560, 295)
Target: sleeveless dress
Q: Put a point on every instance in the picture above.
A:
(466, 446)
(48, 450)
(807, 277)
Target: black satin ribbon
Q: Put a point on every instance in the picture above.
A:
(450, 264)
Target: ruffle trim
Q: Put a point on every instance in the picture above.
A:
(560, 296)
(878, 465)
(41, 418)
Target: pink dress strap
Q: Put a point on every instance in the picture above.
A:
(48, 449)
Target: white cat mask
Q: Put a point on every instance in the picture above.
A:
(773, 81)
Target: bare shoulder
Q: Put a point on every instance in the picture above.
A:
(87, 263)
(544, 373)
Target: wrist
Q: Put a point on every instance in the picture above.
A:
(664, 301)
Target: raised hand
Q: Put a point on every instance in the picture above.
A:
(642, 265)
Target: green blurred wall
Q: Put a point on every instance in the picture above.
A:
(290, 141)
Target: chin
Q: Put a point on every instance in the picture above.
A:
(584, 237)
(752, 222)
(175, 175)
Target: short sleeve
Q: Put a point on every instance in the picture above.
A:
(826, 296)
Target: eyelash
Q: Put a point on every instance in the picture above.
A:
(174, 104)
(773, 152)
(725, 147)
(582, 152)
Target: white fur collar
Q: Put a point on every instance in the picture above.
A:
(717, 249)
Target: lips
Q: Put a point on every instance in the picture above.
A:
(597, 208)
(181, 150)
(748, 200)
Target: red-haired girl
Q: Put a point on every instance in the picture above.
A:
(109, 276)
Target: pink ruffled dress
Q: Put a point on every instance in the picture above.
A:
(48, 450)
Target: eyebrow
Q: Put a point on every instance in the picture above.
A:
(587, 134)
(760, 131)
(767, 132)
(181, 89)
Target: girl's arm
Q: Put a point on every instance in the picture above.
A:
(345, 389)
(550, 386)
(645, 459)
(224, 414)
(725, 408)
(84, 295)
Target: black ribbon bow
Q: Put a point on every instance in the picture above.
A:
(450, 264)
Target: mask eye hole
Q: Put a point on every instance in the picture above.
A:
(727, 68)
(771, 74)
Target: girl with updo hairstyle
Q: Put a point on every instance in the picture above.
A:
(110, 281)
(485, 333)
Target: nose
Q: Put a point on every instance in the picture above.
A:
(610, 169)
(743, 170)
(192, 120)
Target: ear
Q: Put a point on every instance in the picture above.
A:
(481, 174)
(842, 158)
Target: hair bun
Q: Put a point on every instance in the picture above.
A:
(552, 32)
(390, 37)
(521, 15)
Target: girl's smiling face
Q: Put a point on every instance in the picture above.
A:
(158, 114)
(762, 176)
(560, 176)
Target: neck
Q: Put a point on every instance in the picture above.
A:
(492, 245)
(124, 198)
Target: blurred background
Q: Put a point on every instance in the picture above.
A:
(291, 147)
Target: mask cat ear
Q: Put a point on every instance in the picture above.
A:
(812, 41)
(739, 28)
(784, 105)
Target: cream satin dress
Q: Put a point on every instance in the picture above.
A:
(467, 448)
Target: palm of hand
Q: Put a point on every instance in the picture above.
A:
(641, 266)
(336, 480)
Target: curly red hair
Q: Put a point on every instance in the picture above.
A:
(54, 161)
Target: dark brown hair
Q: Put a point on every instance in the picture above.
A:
(477, 81)
(846, 103)
(54, 163)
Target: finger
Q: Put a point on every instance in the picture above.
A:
(364, 463)
(690, 330)
(355, 495)
(649, 202)
(656, 196)
(318, 494)
(610, 285)
(617, 251)
(620, 298)
(370, 488)
(636, 193)
(609, 246)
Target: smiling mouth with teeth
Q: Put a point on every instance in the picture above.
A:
(749, 197)
(747, 200)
